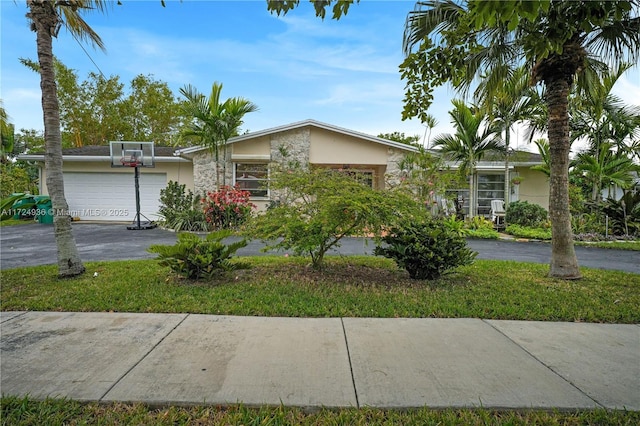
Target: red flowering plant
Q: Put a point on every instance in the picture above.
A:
(227, 208)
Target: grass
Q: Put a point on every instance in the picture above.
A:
(615, 245)
(25, 411)
(349, 287)
(13, 222)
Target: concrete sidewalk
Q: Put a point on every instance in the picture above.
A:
(320, 362)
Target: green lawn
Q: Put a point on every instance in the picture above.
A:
(349, 287)
(615, 245)
(23, 411)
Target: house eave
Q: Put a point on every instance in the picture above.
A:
(96, 158)
(300, 124)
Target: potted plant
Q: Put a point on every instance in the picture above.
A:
(516, 180)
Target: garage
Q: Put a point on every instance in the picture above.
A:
(111, 196)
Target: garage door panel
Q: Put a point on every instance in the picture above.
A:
(111, 196)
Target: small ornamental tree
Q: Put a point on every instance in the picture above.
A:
(318, 207)
(227, 208)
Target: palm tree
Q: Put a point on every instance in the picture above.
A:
(600, 116)
(543, 150)
(47, 17)
(556, 40)
(214, 123)
(513, 101)
(474, 138)
(606, 169)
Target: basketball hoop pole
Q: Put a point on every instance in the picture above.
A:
(137, 224)
(136, 155)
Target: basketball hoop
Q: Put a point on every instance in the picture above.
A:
(130, 162)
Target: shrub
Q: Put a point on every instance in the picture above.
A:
(588, 223)
(525, 214)
(181, 210)
(227, 208)
(426, 249)
(193, 257)
(529, 232)
(624, 214)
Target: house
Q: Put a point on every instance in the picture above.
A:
(96, 191)
(305, 142)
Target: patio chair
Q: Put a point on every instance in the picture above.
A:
(497, 213)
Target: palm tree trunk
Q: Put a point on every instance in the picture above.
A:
(564, 263)
(46, 23)
(472, 198)
(507, 187)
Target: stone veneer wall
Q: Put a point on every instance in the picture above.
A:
(394, 157)
(291, 146)
(204, 172)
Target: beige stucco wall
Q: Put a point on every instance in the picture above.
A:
(534, 187)
(334, 148)
(252, 147)
(181, 172)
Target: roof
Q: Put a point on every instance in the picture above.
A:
(517, 158)
(104, 150)
(302, 124)
(102, 153)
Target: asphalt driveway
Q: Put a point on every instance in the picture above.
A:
(34, 244)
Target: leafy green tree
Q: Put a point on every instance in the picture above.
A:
(6, 135)
(214, 123)
(401, 138)
(153, 109)
(98, 109)
(46, 18)
(317, 208)
(474, 138)
(556, 40)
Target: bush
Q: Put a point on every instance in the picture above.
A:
(480, 227)
(624, 214)
(193, 257)
(426, 250)
(181, 210)
(529, 232)
(588, 223)
(227, 208)
(525, 214)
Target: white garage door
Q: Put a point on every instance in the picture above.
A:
(111, 196)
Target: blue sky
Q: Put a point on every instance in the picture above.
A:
(293, 67)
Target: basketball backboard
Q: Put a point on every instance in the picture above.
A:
(132, 154)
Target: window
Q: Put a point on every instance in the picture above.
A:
(252, 177)
(490, 187)
(365, 177)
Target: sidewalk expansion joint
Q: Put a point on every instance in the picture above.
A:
(573, 385)
(353, 379)
(142, 358)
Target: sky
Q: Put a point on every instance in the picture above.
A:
(294, 67)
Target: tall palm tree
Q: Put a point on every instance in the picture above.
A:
(47, 17)
(508, 102)
(601, 116)
(554, 39)
(214, 123)
(474, 138)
